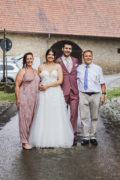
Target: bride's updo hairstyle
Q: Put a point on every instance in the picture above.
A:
(50, 50)
(25, 57)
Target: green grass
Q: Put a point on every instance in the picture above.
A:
(9, 97)
(113, 93)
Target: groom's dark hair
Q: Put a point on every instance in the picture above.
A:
(67, 43)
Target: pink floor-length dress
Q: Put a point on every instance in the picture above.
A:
(28, 102)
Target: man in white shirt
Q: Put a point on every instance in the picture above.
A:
(90, 84)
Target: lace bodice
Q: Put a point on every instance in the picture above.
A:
(47, 77)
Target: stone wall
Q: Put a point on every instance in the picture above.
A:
(104, 49)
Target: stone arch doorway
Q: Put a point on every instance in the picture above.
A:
(76, 52)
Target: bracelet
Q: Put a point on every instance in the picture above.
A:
(103, 92)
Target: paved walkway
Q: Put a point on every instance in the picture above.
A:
(112, 80)
(86, 163)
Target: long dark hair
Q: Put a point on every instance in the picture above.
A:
(50, 50)
(25, 57)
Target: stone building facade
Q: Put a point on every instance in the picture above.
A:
(105, 50)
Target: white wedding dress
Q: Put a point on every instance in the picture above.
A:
(51, 126)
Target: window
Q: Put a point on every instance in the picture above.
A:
(118, 50)
(1, 67)
(9, 67)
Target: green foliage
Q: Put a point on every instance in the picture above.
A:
(9, 97)
(113, 93)
(2, 87)
(9, 87)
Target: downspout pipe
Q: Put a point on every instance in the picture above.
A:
(49, 36)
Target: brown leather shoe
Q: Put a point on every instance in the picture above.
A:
(75, 142)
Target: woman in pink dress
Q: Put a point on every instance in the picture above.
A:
(26, 91)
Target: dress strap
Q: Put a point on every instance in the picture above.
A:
(25, 69)
(35, 71)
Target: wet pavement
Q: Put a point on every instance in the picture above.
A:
(112, 80)
(8, 110)
(78, 163)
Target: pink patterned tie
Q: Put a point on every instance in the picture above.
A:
(68, 66)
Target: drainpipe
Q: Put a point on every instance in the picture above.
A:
(49, 35)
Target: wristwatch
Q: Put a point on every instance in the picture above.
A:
(103, 92)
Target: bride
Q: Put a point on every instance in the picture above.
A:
(51, 126)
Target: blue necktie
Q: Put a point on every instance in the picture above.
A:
(86, 78)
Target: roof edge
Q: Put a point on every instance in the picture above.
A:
(24, 32)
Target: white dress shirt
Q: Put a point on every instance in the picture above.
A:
(95, 78)
(69, 60)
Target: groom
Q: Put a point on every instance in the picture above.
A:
(69, 66)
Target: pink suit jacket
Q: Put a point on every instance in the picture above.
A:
(69, 79)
